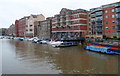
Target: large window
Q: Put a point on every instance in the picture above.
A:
(113, 16)
(113, 27)
(106, 22)
(113, 21)
(106, 33)
(30, 25)
(30, 29)
(106, 11)
(106, 27)
(106, 16)
(113, 10)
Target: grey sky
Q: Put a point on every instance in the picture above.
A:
(10, 10)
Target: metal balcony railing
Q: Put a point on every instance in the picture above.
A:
(117, 10)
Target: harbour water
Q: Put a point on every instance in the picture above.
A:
(23, 57)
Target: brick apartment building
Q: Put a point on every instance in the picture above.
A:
(111, 19)
(74, 24)
(69, 24)
(20, 26)
(44, 28)
(30, 27)
(16, 28)
(104, 20)
(24, 27)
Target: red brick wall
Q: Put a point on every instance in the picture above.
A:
(109, 20)
(16, 28)
(83, 27)
(22, 27)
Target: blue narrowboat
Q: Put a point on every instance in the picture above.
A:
(103, 48)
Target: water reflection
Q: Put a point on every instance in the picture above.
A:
(70, 60)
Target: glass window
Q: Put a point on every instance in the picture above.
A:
(106, 32)
(113, 27)
(30, 29)
(113, 10)
(30, 25)
(113, 16)
(106, 11)
(113, 21)
(106, 16)
(106, 22)
(106, 27)
(89, 28)
(89, 32)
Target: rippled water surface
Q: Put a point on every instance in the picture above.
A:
(23, 57)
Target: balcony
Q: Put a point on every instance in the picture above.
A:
(118, 10)
(118, 5)
(118, 23)
(96, 9)
(99, 25)
(99, 19)
(99, 13)
(93, 20)
(92, 15)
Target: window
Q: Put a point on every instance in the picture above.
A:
(106, 16)
(113, 27)
(106, 32)
(113, 10)
(26, 29)
(113, 21)
(90, 33)
(89, 24)
(106, 27)
(30, 29)
(106, 11)
(30, 25)
(106, 22)
(89, 28)
(113, 16)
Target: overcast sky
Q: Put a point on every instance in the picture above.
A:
(10, 10)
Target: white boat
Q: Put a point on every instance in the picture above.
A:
(43, 42)
(34, 38)
(55, 42)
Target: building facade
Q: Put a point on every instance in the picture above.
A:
(30, 27)
(96, 23)
(104, 21)
(44, 28)
(16, 28)
(69, 24)
(3, 31)
(20, 27)
(11, 30)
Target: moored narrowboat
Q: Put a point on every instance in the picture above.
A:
(103, 48)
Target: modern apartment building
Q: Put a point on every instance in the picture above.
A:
(95, 23)
(30, 27)
(69, 24)
(44, 28)
(104, 20)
